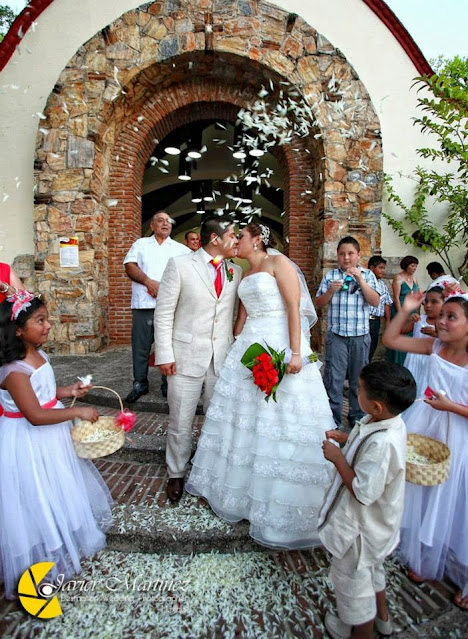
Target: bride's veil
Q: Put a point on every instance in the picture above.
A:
(307, 306)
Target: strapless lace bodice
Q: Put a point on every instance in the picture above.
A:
(261, 296)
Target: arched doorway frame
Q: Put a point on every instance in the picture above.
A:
(343, 176)
(175, 107)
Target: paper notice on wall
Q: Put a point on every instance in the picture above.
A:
(69, 255)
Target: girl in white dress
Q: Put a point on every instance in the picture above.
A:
(425, 327)
(259, 460)
(435, 521)
(53, 505)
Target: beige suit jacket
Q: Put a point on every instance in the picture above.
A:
(191, 324)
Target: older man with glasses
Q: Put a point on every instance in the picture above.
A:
(144, 264)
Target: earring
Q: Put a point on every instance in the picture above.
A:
(255, 247)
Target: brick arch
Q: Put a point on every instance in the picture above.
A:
(177, 106)
(136, 80)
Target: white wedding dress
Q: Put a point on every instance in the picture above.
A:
(259, 460)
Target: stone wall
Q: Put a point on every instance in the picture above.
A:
(144, 75)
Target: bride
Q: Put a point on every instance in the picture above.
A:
(259, 460)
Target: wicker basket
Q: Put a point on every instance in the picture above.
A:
(436, 472)
(115, 436)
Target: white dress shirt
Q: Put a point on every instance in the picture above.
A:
(152, 258)
(212, 268)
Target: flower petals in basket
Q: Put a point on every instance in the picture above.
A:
(105, 436)
(427, 461)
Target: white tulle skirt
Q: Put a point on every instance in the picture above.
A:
(262, 461)
(435, 519)
(54, 506)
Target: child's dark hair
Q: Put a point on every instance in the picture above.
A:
(12, 347)
(375, 260)
(349, 240)
(389, 383)
(436, 289)
(461, 301)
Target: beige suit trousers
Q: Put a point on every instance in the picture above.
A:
(183, 393)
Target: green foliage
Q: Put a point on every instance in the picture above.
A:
(444, 102)
(7, 17)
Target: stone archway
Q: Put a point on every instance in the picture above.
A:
(146, 74)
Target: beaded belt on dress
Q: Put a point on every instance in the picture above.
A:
(13, 415)
(257, 314)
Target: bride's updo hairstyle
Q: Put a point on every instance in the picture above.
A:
(258, 229)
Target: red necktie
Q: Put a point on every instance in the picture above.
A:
(218, 283)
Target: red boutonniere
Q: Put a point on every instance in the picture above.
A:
(229, 271)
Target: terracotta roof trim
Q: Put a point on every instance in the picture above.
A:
(35, 7)
(393, 24)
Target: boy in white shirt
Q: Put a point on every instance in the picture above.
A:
(360, 519)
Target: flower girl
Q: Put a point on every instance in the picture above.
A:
(435, 521)
(53, 505)
(425, 327)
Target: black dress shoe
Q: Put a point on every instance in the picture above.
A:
(135, 394)
(174, 489)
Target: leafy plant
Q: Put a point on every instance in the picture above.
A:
(7, 17)
(445, 115)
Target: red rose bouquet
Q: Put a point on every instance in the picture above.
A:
(268, 367)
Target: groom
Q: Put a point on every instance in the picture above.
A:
(193, 324)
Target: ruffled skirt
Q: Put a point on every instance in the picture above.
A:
(263, 461)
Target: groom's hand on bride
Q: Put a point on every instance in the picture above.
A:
(168, 369)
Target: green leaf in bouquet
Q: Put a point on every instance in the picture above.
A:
(273, 392)
(250, 355)
(313, 357)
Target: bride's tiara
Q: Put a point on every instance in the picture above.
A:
(264, 234)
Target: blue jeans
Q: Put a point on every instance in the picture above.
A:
(344, 355)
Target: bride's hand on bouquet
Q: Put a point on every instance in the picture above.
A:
(294, 365)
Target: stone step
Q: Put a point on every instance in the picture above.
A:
(147, 440)
(144, 521)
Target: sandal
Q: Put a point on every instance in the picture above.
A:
(460, 601)
(417, 579)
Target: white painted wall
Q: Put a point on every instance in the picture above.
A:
(65, 25)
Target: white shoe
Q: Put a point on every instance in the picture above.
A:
(336, 628)
(383, 627)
